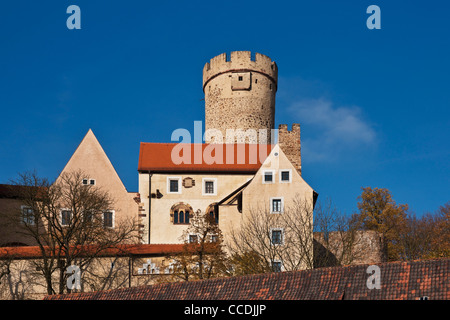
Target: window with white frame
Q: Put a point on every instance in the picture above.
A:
(66, 217)
(108, 219)
(193, 238)
(268, 176)
(285, 176)
(173, 184)
(28, 215)
(209, 186)
(87, 182)
(277, 266)
(277, 236)
(276, 205)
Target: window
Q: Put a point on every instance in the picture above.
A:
(173, 185)
(276, 205)
(276, 266)
(27, 215)
(211, 210)
(66, 217)
(181, 216)
(277, 236)
(268, 176)
(88, 216)
(88, 182)
(180, 213)
(209, 186)
(108, 219)
(285, 176)
(240, 78)
(193, 238)
(214, 238)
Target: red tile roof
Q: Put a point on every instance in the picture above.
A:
(34, 252)
(157, 157)
(399, 280)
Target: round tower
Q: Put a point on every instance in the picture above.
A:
(240, 95)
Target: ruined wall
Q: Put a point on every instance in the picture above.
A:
(343, 248)
(240, 94)
(289, 142)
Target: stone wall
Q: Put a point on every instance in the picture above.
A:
(240, 95)
(289, 142)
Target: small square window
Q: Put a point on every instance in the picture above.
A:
(173, 185)
(209, 186)
(85, 181)
(277, 236)
(268, 176)
(240, 78)
(193, 238)
(92, 182)
(285, 176)
(276, 266)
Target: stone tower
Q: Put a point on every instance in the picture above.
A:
(240, 95)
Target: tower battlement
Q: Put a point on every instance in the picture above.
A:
(289, 142)
(240, 61)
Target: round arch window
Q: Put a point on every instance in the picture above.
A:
(181, 213)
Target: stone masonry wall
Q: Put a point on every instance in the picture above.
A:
(289, 142)
(240, 95)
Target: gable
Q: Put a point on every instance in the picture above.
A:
(91, 159)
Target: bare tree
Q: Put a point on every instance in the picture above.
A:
(203, 256)
(268, 241)
(298, 238)
(337, 240)
(66, 221)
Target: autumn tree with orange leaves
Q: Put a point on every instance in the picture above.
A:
(379, 212)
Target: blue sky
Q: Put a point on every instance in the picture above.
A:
(374, 105)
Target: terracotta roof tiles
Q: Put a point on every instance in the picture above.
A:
(399, 280)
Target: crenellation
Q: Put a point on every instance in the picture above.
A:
(289, 142)
(240, 93)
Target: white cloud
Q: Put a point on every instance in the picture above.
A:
(331, 130)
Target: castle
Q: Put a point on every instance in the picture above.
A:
(240, 168)
(239, 120)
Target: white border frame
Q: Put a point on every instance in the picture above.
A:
(290, 175)
(264, 175)
(214, 180)
(282, 236)
(282, 205)
(280, 261)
